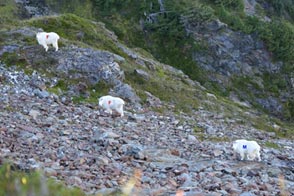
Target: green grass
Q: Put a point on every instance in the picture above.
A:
(94, 92)
(20, 183)
(7, 12)
(90, 94)
(272, 145)
(11, 59)
(82, 8)
(69, 26)
(167, 88)
(16, 59)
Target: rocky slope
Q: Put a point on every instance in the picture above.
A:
(81, 145)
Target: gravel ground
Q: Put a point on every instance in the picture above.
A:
(84, 147)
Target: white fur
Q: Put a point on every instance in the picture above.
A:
(44, 39)
(110, 103)
(250, 149)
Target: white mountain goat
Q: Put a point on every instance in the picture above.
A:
(44, 39)
(250, 149)
(110, 104)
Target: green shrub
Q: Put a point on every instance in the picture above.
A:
(7, 11)
(274, 82)
(238, 21)
(279, 37)
(284, 8)
(237, 5)
(198, 14)
(82, 8)
(290, 106)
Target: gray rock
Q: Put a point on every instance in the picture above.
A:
(41, 94)
(125, 91)
(247, 194)
(34, 114)
(232, 54)
(141, 73)
(192, 138)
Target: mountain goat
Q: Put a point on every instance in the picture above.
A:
(250, 149)
(44, 39)
(110, 103)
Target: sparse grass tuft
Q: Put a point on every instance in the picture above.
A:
(218, 139)
(272, 145)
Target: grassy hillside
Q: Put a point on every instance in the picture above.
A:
(162, 33)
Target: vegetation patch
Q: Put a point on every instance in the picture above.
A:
(16, 182)
(92, 93)
(166, 90)
(274, 82)
(72, 27)
(7, 11)
(272, 145)
(279, 37)
(14, 59)
(262, 123)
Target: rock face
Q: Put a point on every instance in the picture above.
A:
(32, 8)
(232, 55)
(80, 146)
(79, 63)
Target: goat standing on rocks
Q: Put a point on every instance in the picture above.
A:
(110, 103)
(44, 39)
(250, 149)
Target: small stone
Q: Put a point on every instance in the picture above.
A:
(192, 138)
(108, 184)
(50, 172)
(34, 114)
(175, 152)
(3, 129)
(252, 173)
(41, 93)
(74, 180)
(247, 194)
(141, 73)
(66, 132)
(217, 152)
(102, 160)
